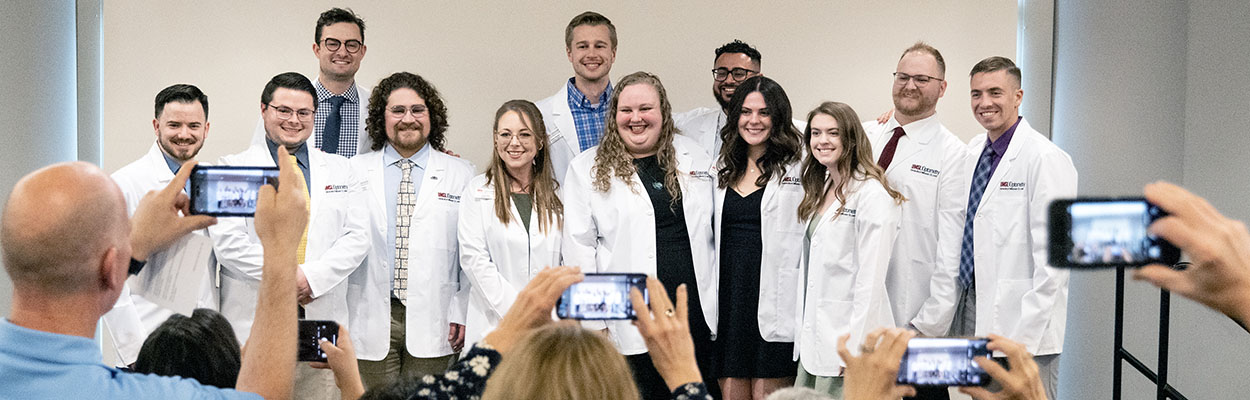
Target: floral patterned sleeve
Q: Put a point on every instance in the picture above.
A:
(465, 380)
(692, 391)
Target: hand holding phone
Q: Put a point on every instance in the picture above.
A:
(1106, 233)
(311, 332)
(944, 362)
(601, 297)
(228, 191)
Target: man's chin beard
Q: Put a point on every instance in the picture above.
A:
(724, 104)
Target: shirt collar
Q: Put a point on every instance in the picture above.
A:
(301, 154)
(173, 164)
(579, 99)
(919, 130)
(1000, 145)
(390, 156)
(54, 348)
(324, 94)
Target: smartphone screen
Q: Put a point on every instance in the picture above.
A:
(310, 334)
(228, 191)
(601, 296)
(1108, 232)
(944, 362)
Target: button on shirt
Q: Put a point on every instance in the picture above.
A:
(43, 365)
(588, 118)
(391, 173)
(349, 125)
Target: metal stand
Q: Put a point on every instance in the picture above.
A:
(1163, 390)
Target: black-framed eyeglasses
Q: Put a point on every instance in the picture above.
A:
(332, 45)
(720, 74)
(285, 113)
(921, 80)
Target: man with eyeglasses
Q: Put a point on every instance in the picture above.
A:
(335, 241)
(408, 304)
(735, 62)
(922, 159)
(341, 103)
(574, 116)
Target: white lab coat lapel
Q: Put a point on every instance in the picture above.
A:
(1004, 164)
(564, 124)
(434, 170)
(316, 185)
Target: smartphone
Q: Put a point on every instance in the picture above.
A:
(225, 191)
(310, 334)
(943, 362)
(1107, 232)
(601, 297)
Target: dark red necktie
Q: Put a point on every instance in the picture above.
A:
(887, 154)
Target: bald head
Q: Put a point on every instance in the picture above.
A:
(58, 223)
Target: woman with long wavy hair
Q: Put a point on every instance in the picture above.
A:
(759, 237)
(511, 217)
(641, 202)
(852, 215)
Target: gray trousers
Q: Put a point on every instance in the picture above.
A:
(965, 324)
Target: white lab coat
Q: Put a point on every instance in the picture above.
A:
(615, 231)
(337, 242)
(844, 290)
(781, 231)
(362, 137)
(928, 170)
(436, 295)
(562, 143)
(1019, 295)
(134, 318)
(499, 259)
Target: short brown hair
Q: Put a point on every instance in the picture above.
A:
(922, 47)
(588, 18)
(997, 63)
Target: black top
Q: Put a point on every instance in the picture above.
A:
(674, 264)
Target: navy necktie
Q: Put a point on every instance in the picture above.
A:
(980, 177)
(330, 136)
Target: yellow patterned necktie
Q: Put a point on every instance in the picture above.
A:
(303, 240)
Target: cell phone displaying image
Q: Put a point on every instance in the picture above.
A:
(310, 334)
(226, 191)
(944, 362)
(601, 297)
(1106, 232)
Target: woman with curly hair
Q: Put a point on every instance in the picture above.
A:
(641, 202)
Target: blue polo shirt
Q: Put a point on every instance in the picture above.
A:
(42, 365)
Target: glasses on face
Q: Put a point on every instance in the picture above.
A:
(333, 45)
(285, 113)
(921, 80)
(505, 137)
(720, 74)
(399, 111)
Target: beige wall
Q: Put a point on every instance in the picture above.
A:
(480, 54)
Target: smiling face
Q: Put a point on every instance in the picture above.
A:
(755, 122)
(724, 90)
(591, 52)
(825, 140)
(909, 98)
(515, 142)
(293, 131)
(996, 98)
(639, 119)
(339, 65)
(407, 121)
(180, 130)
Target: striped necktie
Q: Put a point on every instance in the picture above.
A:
(980, 178)
(404, 205)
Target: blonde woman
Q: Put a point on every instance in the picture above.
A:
(510, 218)
(852, 216)
(641, 202)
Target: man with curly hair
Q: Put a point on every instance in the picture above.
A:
(407, 303)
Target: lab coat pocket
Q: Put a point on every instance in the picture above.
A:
(787, 296)
(1007, 304)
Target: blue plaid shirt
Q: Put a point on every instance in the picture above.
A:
(587, 118)
(349, 118)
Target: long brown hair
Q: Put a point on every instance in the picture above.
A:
(782, 147)
(542, 181)
(856, 158)
(562, 361)
(613, 159)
